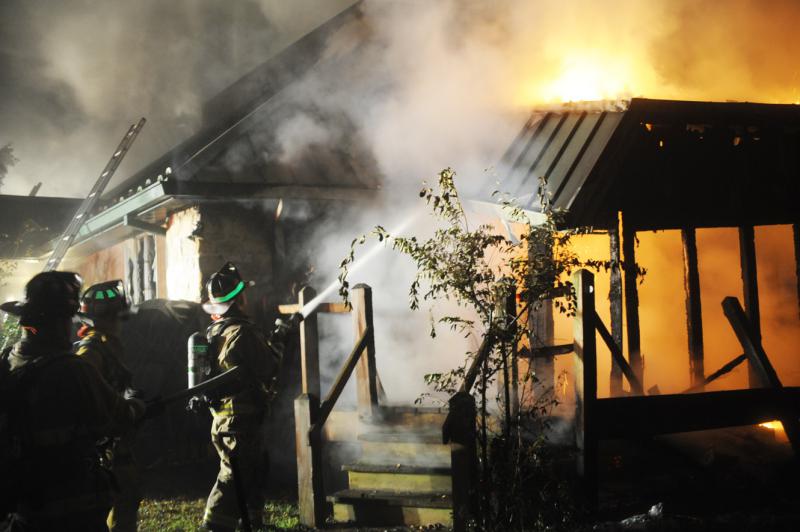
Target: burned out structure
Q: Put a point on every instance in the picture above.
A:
(229, 192)
(656, 165)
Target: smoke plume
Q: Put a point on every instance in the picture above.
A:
(76, 73)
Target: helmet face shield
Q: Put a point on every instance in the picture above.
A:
(223, 288)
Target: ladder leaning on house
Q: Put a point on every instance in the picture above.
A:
(68, 237)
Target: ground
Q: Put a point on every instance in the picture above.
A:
(726, 480)
(175, 498)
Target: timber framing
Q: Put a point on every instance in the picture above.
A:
(694, 313)
(631, 270)
(747, 254)
(638, 416)
(616, 304)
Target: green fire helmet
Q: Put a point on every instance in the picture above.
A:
(104, 300)
(47, 295)
(223, 287)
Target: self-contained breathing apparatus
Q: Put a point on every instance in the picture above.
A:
(202, 351)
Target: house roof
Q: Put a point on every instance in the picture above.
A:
(238, 142)
(665, 164)
(29, 223)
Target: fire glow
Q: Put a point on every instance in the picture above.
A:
(583, 78)
(772, 425)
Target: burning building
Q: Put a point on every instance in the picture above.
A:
(241, 189)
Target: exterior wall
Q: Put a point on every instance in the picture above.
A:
(161, 267)
(202, 238)
(240, 235)
(183, 274)
(104, 265)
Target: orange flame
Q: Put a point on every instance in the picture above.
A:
(772, 425)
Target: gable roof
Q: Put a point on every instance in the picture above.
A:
(665, 164)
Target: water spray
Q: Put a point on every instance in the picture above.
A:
(332, 288)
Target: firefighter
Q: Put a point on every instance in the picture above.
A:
(236, 429)
(103, 307)
(59, 406)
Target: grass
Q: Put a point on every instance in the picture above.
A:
(185, 514)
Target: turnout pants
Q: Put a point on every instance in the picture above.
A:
(239, 443)
(126, 499)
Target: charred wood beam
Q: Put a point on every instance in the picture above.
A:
(759, 361)
(586, 421)
(547, 351)
(796, 238)
(616, 356)
(747, 255)
(630, 268)
(727, 368)
(615, 303)
(694, 315)
(631, 417)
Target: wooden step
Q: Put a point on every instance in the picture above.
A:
(392, 508)
(406, 453)
(398, 477)
(411, 417)
(392, 435)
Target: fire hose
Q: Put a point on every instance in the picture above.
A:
(228, 378)
(200, 367)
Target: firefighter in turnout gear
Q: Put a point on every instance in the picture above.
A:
(103, 307)
(58, 406)
(238, 413)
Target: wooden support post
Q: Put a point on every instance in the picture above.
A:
(511, 314)
(761, 365)
(615, 302)
(540, 319)
(630, 268)
(541, 330)
(366, 371)
(586, 382)
(747, 255)
(796, 235)
(694, 317)
(617, 358)
(459, 432)
(309, 346)
(308, 448)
